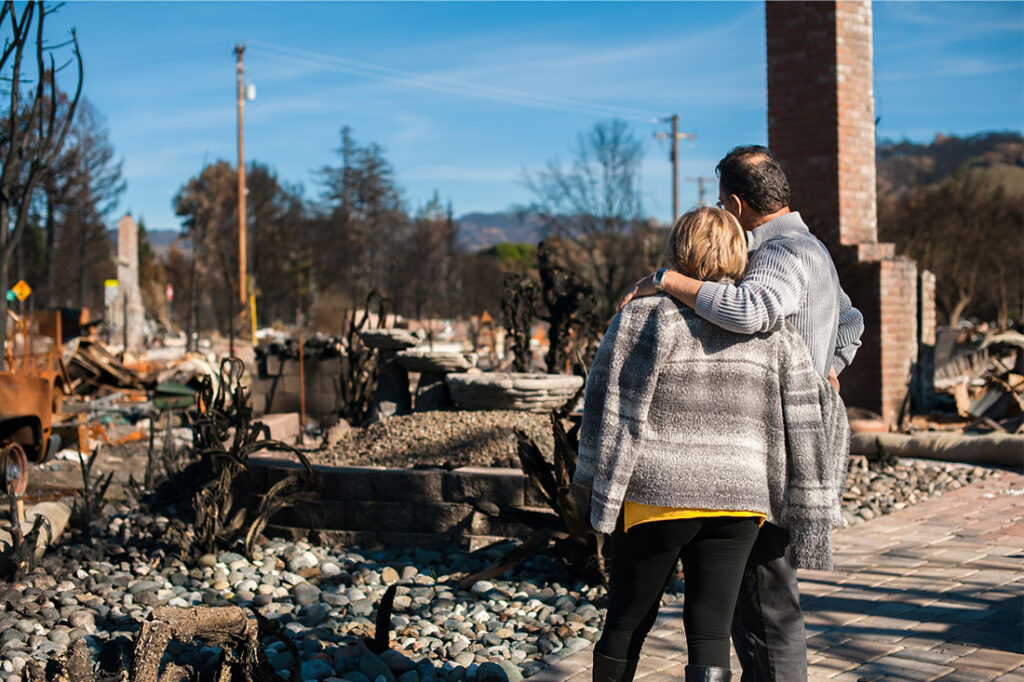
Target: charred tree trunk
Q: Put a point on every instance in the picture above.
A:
(234, 630)
(49, 272)
(83, 266)
(32, 132)
(3, 299)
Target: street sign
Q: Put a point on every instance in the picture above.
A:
(21, 290)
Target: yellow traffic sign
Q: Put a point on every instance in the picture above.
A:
(21, 290)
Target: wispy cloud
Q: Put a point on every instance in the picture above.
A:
(943, 26)
(156, 162)
(952, 67)
(967, 18)
(411, 128)
(558, 75)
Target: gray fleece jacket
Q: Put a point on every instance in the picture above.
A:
(679, 412)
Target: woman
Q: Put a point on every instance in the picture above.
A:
(692, 436)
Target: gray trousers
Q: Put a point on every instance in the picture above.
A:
(768, 625)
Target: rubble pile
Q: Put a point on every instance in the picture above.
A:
(91, 367)
(985, 382)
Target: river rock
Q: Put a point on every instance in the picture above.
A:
(373, 667)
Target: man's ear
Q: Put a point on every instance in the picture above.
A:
(740, 205)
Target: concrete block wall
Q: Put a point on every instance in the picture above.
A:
(323, 387)
(426, 508)
(926, 307)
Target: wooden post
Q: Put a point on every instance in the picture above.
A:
(242, 266)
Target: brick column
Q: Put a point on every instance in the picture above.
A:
(821, 126)
(924, 377)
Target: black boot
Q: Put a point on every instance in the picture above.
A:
(607, 669)
(707, 673)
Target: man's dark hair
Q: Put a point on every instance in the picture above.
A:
(753, 174)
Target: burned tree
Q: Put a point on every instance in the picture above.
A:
(594, 203)
(360, 364)
(559, 297)
(81, 191)
(570, 305)
(518, 305)
(31, 133)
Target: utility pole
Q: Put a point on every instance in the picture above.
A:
(242, 266)
(701, 188)
(675, 136)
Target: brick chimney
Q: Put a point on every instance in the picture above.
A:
(821, 126)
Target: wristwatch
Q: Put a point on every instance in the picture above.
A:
(659, 279)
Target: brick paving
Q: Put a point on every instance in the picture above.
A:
(931, 592)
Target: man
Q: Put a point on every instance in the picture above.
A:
(790, 278)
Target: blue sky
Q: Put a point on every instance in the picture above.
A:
(465, 97)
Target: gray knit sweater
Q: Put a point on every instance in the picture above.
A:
(681, 413)
(790, 277)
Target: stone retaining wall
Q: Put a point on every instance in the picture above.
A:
(429, 508)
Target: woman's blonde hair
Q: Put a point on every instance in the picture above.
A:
(708, 244)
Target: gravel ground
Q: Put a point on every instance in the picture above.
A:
(103, 585)
(876, 487)
(458, 438)
(103, 588)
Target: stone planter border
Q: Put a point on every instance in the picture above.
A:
(531, 392)
(428, 508)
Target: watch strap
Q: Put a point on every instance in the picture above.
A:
(659, 279)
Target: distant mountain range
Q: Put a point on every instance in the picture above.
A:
(904, 165)
(160, 240)
(480, 230)
(900, 166)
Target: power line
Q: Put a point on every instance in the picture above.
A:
(453, 87)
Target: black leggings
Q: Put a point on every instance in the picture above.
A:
(714, 551)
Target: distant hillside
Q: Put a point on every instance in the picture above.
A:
(904, 165)
(160, 240)
(480, 230)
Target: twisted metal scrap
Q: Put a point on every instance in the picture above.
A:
(225, 438)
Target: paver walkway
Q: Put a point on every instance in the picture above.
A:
(931, 592)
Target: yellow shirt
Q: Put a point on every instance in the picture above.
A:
(635, 513)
